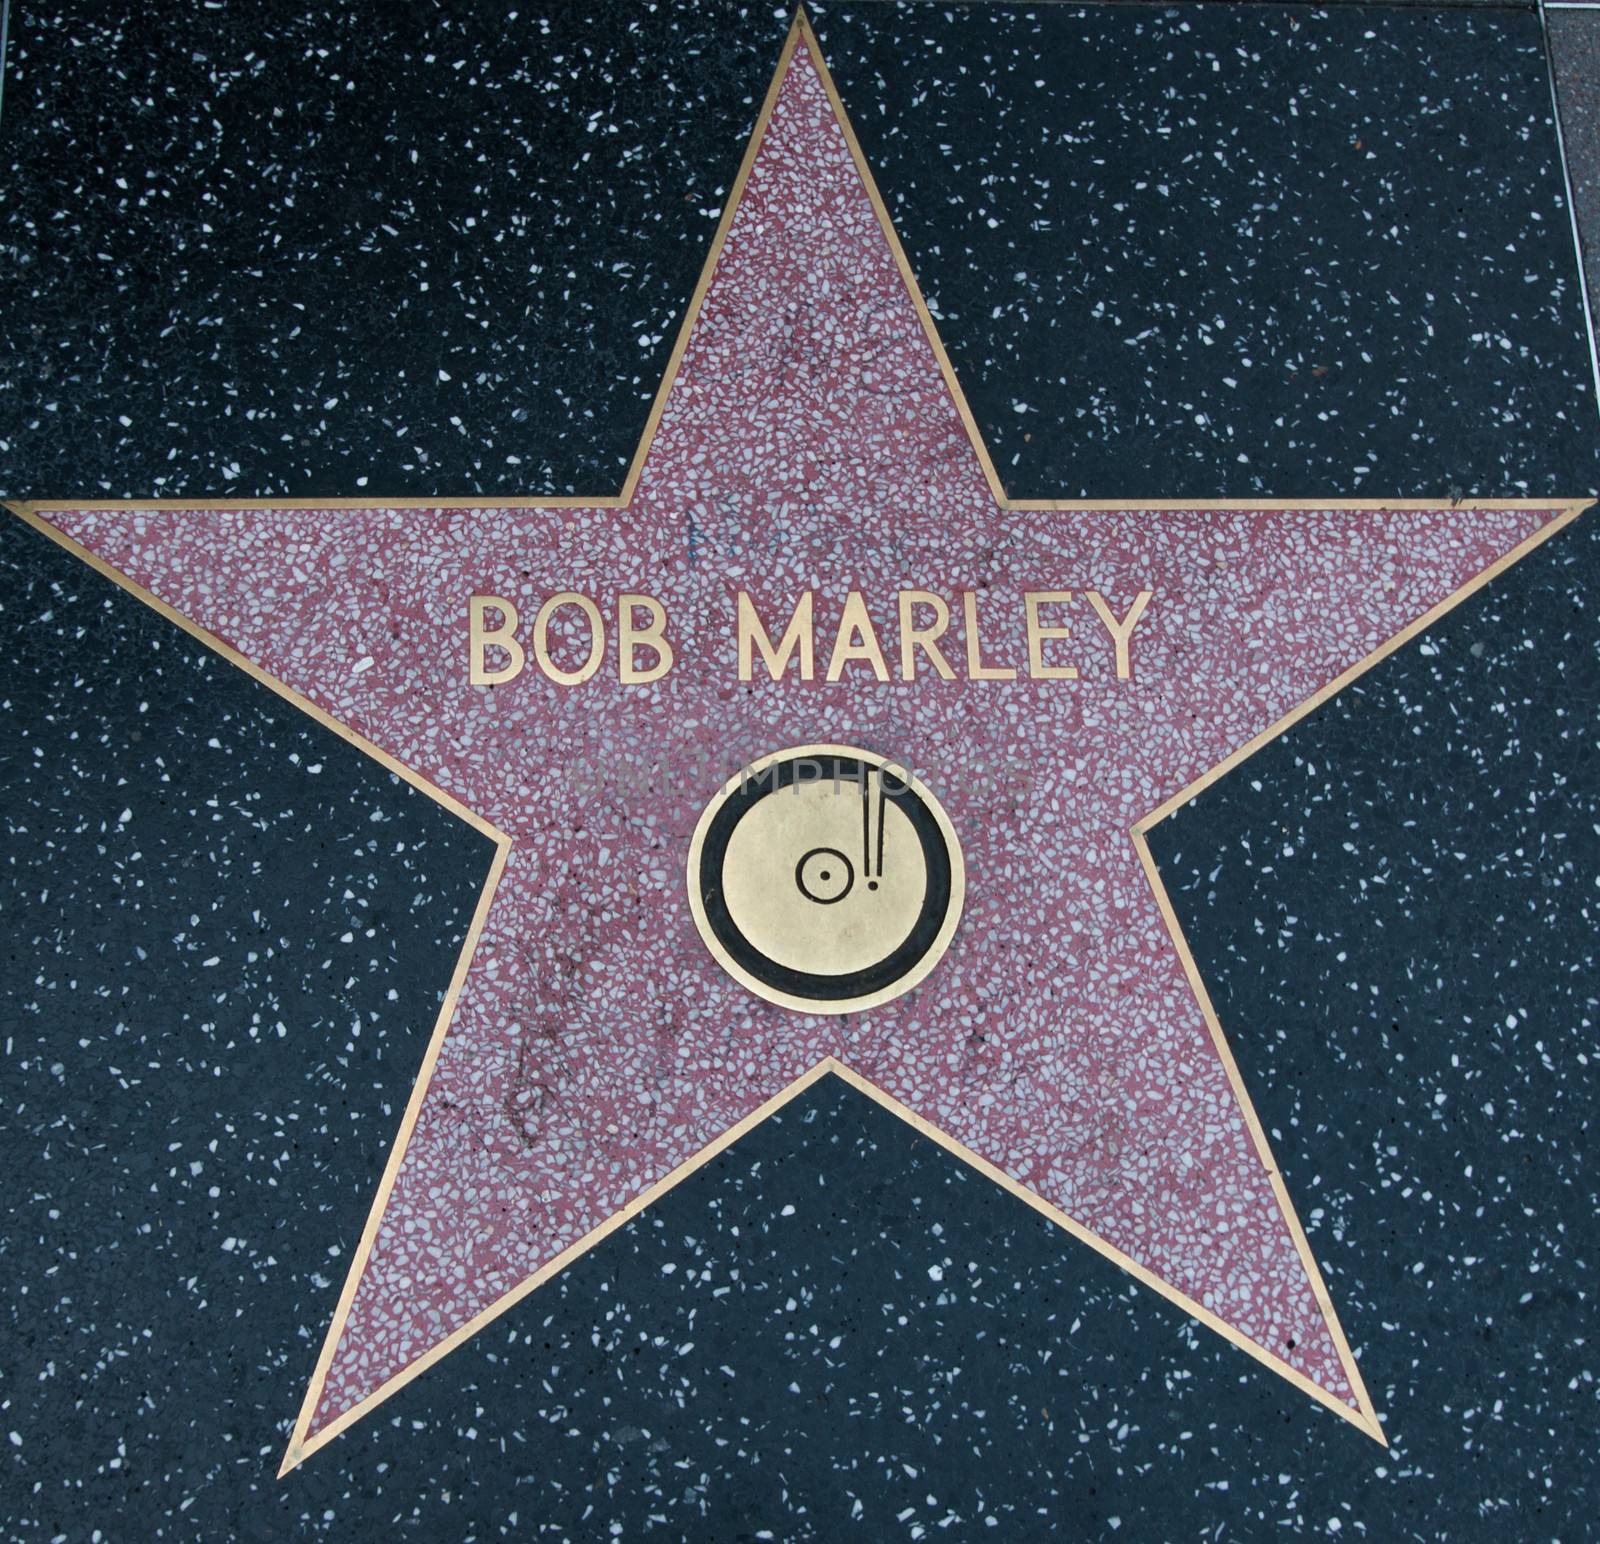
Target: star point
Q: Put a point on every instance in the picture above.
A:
(810, 438)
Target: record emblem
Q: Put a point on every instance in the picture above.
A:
(826, 879)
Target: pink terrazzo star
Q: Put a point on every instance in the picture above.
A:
(811, 441)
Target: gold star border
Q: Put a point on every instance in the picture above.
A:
(302, 1445)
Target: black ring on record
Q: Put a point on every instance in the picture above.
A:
(801, 983)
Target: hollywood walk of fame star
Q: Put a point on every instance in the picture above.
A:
(810, 437)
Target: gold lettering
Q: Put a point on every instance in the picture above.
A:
(480, 637)
(1038, 635)
(541, 638)
(913, 637)
(1121, 631)
(976, 669)
(796, 639)
(653, 635)
(856, 640)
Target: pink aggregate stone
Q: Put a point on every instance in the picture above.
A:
(810, 443)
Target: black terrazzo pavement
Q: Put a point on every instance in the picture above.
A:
(1209, 250)
(1394, 909)
(1575, 55)
(1395, 905)
(269, 248)
(226, 936)
(1189, 249)
(1437, 828)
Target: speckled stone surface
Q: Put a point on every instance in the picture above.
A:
(227, 936)
(1396, 904)
(270, 247)
(1575, 52)
(1249, 250)
(725, 1366)
(594, 1047)
(382, 250)
(835, 1327)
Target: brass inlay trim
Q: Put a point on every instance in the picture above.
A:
(1568, 514)
(301, 1444)
(29, 515)
(800, 31)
